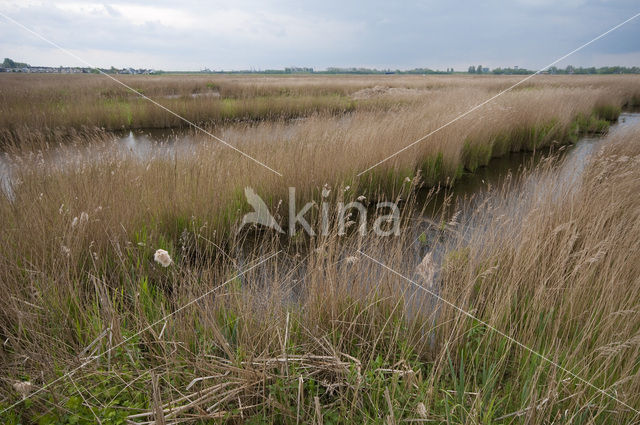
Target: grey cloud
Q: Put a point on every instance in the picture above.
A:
(277, 33)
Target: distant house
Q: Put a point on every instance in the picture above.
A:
(485, 70)
(298, 70)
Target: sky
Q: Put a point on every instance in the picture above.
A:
(272, 34)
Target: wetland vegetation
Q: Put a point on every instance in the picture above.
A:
(245, 325)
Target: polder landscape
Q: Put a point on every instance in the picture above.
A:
(485, 269)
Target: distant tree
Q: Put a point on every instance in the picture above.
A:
(472, 69)
(479, 69)
(8, 63)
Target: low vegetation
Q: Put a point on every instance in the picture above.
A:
(58, 103)
(268, 329)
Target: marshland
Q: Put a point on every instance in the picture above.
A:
(508, 294)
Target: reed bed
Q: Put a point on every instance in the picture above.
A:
(319, 332)
(202, 181)
(55, 103)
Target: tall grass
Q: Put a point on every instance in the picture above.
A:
(205, 180)
(50, 103)
(320, 333)
(557, 269)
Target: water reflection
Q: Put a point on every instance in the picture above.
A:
(431, 233)
(470, 185)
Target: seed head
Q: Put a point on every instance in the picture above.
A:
(162, 257)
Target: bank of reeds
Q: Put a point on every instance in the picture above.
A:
(56, 103)
(320, 333)
(161, 191)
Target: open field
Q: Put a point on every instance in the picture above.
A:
(41, 102)
(317, 331)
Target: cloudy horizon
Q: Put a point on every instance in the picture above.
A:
(275, 34)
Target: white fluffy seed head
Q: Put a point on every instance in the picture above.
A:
(421, 410)
(162, 257)
(23, 388)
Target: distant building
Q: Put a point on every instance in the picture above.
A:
(298, 70)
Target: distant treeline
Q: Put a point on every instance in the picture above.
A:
(9, 64)
(421, 71)
(384, 71)
(571, 70)
(334, 70)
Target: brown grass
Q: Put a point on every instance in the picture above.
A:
(205, 180)
(315, 331)
(558, 273)
(61, 102)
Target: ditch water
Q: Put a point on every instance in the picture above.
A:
(493, 175)
(468, 192)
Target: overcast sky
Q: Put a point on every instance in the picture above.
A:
(192, 35)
